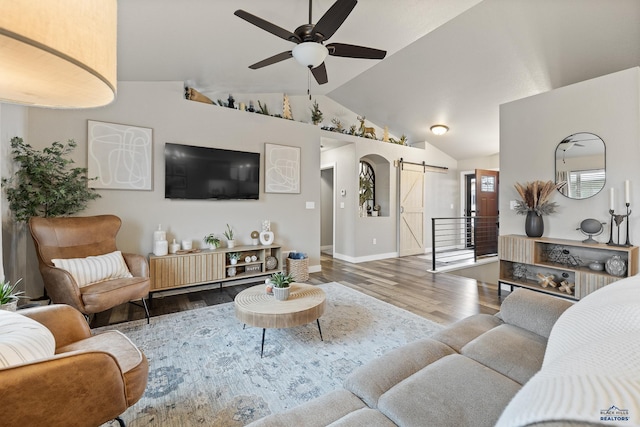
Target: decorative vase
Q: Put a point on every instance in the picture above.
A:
(10, 306)
(233, 261)
(615, 266)
(534, 224)
(231, 271)
(281, 294)
(266, 237)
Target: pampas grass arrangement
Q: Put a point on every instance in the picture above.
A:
(535, 197)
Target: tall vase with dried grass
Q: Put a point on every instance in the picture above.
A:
(535, 203)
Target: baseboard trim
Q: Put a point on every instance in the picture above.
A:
(356, 260)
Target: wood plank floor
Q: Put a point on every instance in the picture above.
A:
(403, 282)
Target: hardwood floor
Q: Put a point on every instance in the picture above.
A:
(403, 282)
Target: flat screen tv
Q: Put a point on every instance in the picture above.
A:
(210, 173)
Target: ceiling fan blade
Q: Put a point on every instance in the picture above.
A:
(272, 60)
(353, 51)
(320, 74)
(333, 18)
(267, 26)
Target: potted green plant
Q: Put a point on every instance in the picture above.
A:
(9, 296)
(212, 241)
(230, 237)
(234, 257)
(45, 185)
(281, 285)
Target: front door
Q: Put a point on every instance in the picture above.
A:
(411, 209)
(486, 229)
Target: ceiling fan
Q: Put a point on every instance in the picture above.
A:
(309, 38)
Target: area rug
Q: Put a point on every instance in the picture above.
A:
(205, 369)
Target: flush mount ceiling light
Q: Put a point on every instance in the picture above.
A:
(58, 54)
(439, 129)
(310, 54)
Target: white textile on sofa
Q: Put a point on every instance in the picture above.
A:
(591, 367)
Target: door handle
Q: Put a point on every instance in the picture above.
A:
(401, 209)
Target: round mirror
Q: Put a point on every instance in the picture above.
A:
(580, 164)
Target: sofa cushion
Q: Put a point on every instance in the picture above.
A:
(94, 269)
(365, 417)
(592, 363)
(370, 381)
(533, 311)
(318, 412)
(466, 330)
(454, 391)
(23, 340)
(510, 350)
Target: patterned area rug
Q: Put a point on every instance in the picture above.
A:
(205, 369)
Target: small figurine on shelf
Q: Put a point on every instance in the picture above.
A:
(566, 287)
(545, 281)
(230, 101)
(316, 114)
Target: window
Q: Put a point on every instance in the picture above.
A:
(587, 182)
(367, 191)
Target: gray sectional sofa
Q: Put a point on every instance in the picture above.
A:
(467, 374)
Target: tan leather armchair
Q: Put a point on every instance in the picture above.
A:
(89, 381)
(80, 237)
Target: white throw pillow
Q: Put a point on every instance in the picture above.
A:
(23, 340)
(94, 269)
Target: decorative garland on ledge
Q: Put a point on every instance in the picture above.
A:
(316, 116)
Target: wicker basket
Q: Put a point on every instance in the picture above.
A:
(298, 268)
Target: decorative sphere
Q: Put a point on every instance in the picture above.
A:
(255, 234)
(591, 226)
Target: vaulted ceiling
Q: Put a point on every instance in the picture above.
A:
(449, 61)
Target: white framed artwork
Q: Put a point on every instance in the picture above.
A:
(281, 169)
(120, 156)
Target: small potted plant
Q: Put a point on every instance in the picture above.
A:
(234, 257)
(212, 241)
(281, 285)
(9, 296)
(230, 237)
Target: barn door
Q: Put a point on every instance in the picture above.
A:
(411, 209)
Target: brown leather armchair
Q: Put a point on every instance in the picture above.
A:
(89, 381)
(80, 237)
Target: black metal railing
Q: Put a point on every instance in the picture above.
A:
(462, 240)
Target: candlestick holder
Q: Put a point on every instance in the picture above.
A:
(617, 219)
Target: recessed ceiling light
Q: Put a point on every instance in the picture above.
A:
(439, 129)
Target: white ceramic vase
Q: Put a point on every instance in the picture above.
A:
(281, 294)
(266, 237)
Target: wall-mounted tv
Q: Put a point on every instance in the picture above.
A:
(210, 173)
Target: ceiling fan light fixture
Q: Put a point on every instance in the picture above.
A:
(439, 129)
(310, 54)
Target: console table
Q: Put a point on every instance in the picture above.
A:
(522, 258)
(175, 271)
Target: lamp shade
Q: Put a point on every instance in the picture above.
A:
(310, 54)
(59, 54)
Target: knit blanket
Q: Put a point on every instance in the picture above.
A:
(591, 369)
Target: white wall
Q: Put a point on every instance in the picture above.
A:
(355, 234)
(15, 242)
(162, 107)
(531, 128)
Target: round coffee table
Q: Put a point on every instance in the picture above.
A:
(255, 307)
